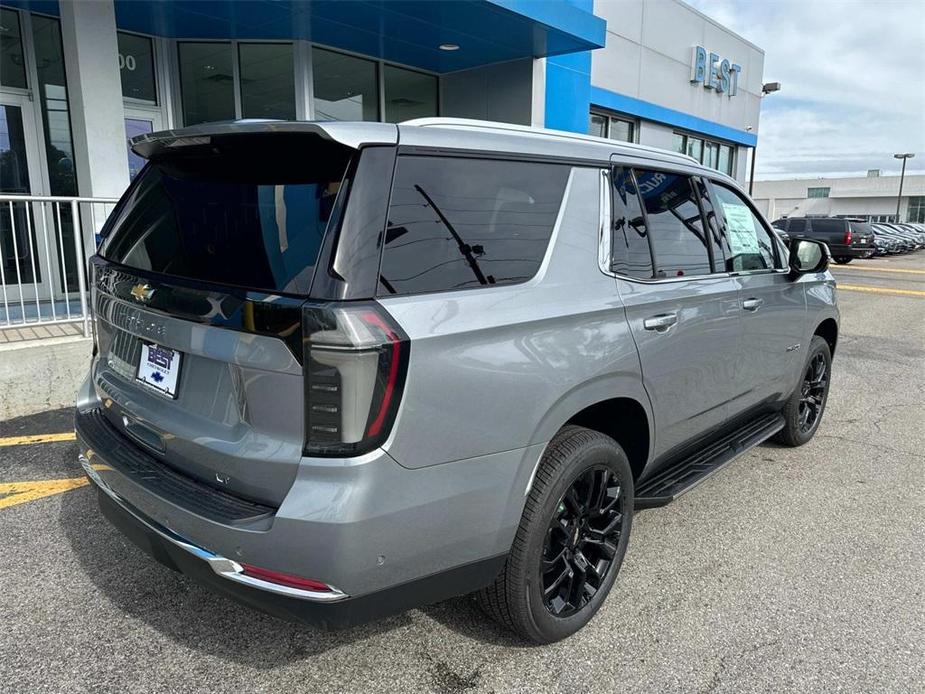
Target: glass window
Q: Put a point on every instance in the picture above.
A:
(598, 125)
(14, 169)
(829, 226)
(630, 252)
(206, 82)
(695, 148)
(673, 220)
(713, 222)
(408, 94)
(711, 155)
(621, 130)
(12, 62)
(817, 192)
(916, 211)
(249, 218)
(748, 244)
(679, 143)
(344, 87)
(52, 89)
(460, 223)
(725, 159)
(136, 67)
(796, 225)
(267, 80)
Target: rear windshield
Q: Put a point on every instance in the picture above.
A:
(232, 216)
(861, 228)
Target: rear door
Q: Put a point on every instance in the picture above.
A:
(772, 304)
(683, 317)
(198, 293)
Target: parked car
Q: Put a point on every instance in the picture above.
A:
(847, 239)
(914, 232)
(906, 240)
(343, 369)
(885, 244)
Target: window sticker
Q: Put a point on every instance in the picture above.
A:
(740, 229)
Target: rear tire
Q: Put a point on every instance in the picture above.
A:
(571, 540)
(805, 407)
(842, 260)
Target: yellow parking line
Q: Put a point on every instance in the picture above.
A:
(880, 290)
(13, 493)
(863, 268)
(37, 438)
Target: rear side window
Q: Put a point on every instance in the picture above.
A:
(673, 216)
(457, 223)
(244, 221)
(829, 226)
(630, 252)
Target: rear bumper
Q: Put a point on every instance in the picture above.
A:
(854, 251)
(333, 610)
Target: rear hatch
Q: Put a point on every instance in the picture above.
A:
(862, 234)
(198, 294)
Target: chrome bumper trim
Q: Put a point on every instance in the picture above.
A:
(224, 567)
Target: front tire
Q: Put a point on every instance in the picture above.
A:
(842, 259)
(571, 540)
(804, 408)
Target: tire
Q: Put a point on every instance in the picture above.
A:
(576, 460)
(795, 432)
(842, 260)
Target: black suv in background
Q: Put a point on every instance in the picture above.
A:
(847, 239)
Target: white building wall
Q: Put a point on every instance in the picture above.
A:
(648, 57)
(859, 196)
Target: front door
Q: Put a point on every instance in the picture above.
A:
(27, 264)
(773, 305)
(685, 320)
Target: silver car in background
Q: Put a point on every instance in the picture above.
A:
(343, 369)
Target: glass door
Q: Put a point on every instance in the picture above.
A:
(26, 264)
(139, 121)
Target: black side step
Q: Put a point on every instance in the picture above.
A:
(669, 484)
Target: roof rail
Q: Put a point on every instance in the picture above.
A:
(471, 123)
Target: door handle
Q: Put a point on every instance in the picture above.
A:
(752, 304)
(660, 323)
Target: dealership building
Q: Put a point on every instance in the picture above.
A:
(873, 197)
(79, 77)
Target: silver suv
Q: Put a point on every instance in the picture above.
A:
(343, 369)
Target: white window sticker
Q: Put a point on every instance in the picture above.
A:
(740, 229)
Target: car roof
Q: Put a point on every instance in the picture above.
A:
(445, 133)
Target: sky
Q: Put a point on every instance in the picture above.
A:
(852, 77)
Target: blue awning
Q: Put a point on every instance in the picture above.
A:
(402, 31)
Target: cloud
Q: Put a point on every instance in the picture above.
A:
(853, 82)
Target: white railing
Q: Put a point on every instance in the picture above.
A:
(45, 242)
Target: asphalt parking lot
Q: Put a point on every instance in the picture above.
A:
(793, 569)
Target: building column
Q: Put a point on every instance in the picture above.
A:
(94, 89)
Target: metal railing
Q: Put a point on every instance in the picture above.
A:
(45, 243)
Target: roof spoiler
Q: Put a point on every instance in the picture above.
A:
(353, 135)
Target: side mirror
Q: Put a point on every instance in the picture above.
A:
(808, 256)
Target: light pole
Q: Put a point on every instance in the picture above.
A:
(902, 176)
(766, 88)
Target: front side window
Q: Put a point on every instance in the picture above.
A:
(458, 223)
(796, 226)
(673, 216)
(748, 244)
(630, 252)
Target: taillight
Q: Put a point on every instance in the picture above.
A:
(284, 579)
(848, 237)
(355, 359)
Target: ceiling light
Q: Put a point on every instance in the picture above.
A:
(449, 46)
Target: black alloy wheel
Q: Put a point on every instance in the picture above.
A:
(581, 541)
(813, 392)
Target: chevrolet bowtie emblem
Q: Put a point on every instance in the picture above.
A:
(142, 292)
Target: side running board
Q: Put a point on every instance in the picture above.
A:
(667, 485)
